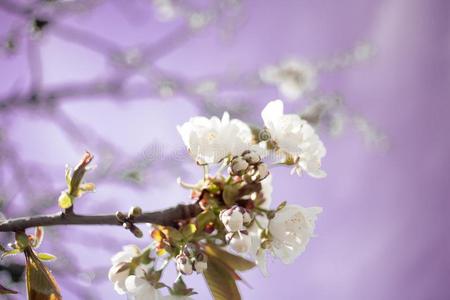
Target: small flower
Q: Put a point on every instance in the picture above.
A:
(263, 170)
(140, 288)
(246, 216)
(211, 140)
(184, 265)
(200, 263)
(232, 219)
(240, 242)
(266, 190)
(290, 231)
(238, 166)
(121, 268)
(295, 139)
(251, 157)
(292, 77)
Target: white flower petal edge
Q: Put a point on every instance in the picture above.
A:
(173, 297)
(141, 289)
(210, 140)
(291, 230)
(295, 139)
(255, 230)
(122, 257)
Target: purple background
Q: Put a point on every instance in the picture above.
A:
(384, 230)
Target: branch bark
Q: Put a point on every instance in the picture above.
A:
(165, 217)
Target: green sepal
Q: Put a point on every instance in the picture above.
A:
(46, 256)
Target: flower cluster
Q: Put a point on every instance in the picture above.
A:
(294, 139)
(236, 228)
(131, 273)
(292, 77)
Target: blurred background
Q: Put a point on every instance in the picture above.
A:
(116, 77)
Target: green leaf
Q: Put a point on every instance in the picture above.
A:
(9, 253)
(235, 262)
(5, 290)
(281, 206)
(68, 177)
(220, 281)
(179, 288)
(40, 282)
(64, 200)
(84, 188)
(173, 234)
(46, 256)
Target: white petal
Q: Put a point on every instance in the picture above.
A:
(261, 262)
(134, 284)
(272, 112)
(120, 288)
(225, 118)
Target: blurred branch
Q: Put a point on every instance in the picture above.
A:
(165, 217)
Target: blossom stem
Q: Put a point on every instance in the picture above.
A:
(165, 217)
(205, 172)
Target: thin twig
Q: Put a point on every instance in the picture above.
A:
(165, 217)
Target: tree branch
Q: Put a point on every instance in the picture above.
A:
(165, 217)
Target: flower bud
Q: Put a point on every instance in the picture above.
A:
(200, 263)
(209, 228)
(134, 211)
(184, 265)
(190, 250)
(251, 157)
(136, 232)
(246, 216)
(238, 166)
(232, 218)
(263, 171)
(121, 217)
(240, 242)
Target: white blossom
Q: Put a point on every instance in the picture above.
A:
(246, 217)
(290, 231)
(176, 297)
(165, 10)
(141, 289)
(211, 140)
(266, 190)
(292, 77)
(238, 166)
(120, 269)
(260, 224)
(232, 219)
(200, 266)
(241, 242)
(184, 265)
(295, 139)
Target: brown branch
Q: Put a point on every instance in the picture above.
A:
(165, 217)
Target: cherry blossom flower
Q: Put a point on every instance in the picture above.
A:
(292, 77)
(211, 140)
(184, 265)
(121, 267)
(240, 242)
(141, 289)
(290, 231)
(294, 139)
